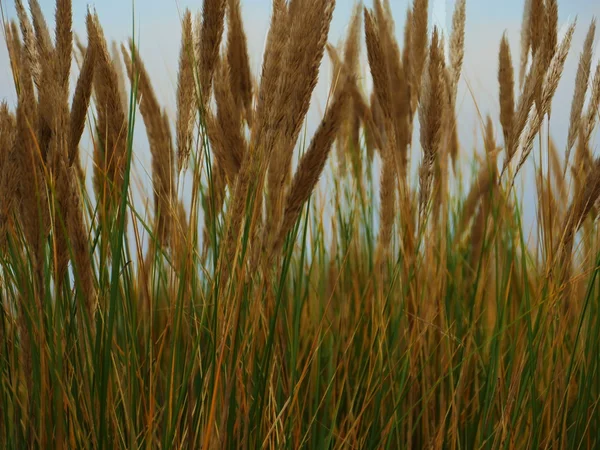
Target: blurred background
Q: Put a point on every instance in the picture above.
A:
(157, 25)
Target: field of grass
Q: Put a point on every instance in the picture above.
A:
(417, 314)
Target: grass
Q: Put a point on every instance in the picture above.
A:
(248, 316)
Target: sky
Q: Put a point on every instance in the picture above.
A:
(158, 27)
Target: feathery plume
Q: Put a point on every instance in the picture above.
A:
(312, 163)
(551, 36)
(549, 86)
(262, 125)
(27, 175)
(213, 18)
(557, 171)
(431, 118)
(457, 43)
(225, 130)
(407, 51)
(14, 48)
(81, 49)
(275, 46)
(537, 22)
(111, 151)
(115, 54)
(419, 45)
(81, 250)
(8, 185)
(523, 109)
(352, 44)
(577, 213)
(29, 43)
(81, 101)
(457, 51)
(349, 134)
(378, 66)
(489, 140)
(594, 104)
(159, 139)
(507, 89)
(298, 78)
(185, 93)
(485, 181)
(42, 34)
(581, 86)
(525, 40)
(238, 60)
(64, 41)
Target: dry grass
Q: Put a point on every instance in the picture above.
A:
(252, 308)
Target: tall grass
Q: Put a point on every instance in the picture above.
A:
(245, 316)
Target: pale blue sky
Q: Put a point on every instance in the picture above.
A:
(158, 29)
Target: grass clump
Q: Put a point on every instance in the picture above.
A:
(235, 311)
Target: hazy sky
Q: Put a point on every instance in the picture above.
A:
(157, 25)
(158, 28)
